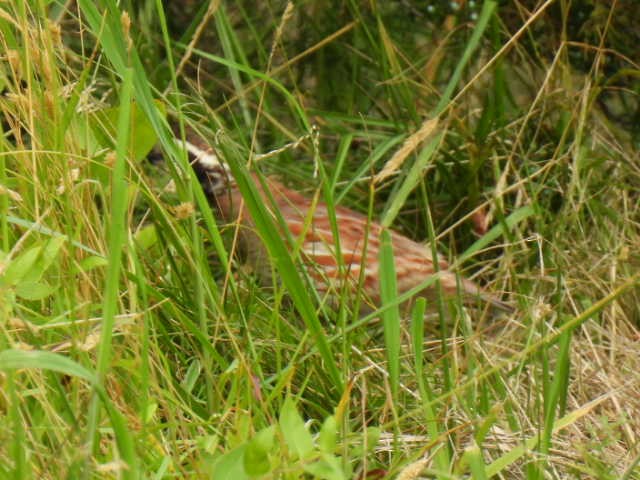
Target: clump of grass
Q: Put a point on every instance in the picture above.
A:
(134, 342)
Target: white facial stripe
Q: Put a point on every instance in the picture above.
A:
(206, 159)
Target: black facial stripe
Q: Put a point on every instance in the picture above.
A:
(214, 179)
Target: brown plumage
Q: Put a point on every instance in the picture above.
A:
(312, 231)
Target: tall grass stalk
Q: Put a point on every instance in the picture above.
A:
(136, 342)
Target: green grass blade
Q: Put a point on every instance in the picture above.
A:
(391, 316)
(230, 46)
(473, 456)
(555, 396)
(19, 359)
(550, 338)
(36, 227)
(417, 336)
(378, 153)
(281, 256)
(4, 202)
(341, 156)
(42, 360)
(431, 419)
(500, 465)
(117, 235)
(488, 7)
(497, 231)
(414, 176)
(300, 112)
(117, 226)
(18, 447)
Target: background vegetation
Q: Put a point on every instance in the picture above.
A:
(133, 344)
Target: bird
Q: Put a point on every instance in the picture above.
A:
(308, 223)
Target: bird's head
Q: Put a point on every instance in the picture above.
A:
(214, 176)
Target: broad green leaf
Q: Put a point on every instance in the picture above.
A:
(256, 455)
(190, 378)
(150, 412)
(327, 437)
(230, 466)
(34, 290)
(50, 252)
(146, 237)
(20, 266)
(296, 435)
(7, 301)
(142, 138)
(327, 468)
(30, 265)
(45, 259)
(373, 437)
(83, 134)
(91, 262)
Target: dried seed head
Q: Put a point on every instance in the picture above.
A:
(184, 210)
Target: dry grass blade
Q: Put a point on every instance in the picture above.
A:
(410, 145)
